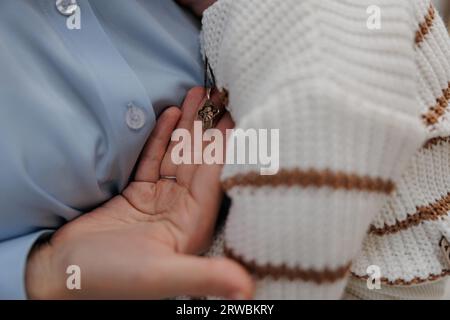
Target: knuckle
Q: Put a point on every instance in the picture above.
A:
(151, 159)
(140, 192)
(195, 92)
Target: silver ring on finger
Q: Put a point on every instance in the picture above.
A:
(171, 178)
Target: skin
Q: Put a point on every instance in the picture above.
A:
(143, 244)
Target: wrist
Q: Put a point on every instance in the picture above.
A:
(38, 276)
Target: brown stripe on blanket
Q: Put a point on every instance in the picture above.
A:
(311, 178)
(279, 272)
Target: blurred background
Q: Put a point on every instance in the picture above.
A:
(444, 8)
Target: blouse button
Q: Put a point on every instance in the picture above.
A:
(135, 117)
(67, 7)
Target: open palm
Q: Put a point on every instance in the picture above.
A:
(143, 243)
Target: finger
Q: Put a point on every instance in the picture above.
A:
(186, 172)
(207, 177)
(202, 277)
(190, 106)
(192, 102)
(206, 186)
(156, 146)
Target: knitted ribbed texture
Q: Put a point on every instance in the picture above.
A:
(403, 240)
(345, 100)
(357, 290)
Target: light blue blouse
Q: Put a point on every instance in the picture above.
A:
(76, 107)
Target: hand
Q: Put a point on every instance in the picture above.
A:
(142, 243)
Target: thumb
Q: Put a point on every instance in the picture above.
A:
(201, 277)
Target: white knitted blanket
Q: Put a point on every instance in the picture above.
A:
(355, 107)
